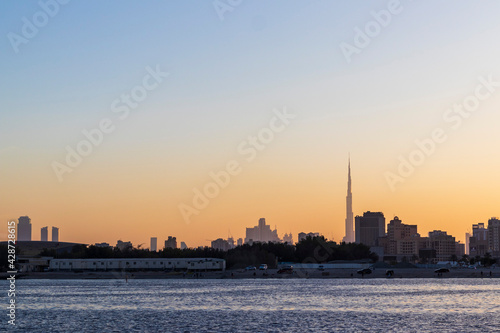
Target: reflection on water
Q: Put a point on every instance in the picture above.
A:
(419, 305)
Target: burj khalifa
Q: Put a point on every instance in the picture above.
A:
(349, 220)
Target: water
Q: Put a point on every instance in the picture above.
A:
(288, 305)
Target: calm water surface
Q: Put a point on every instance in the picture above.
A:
(376, 305)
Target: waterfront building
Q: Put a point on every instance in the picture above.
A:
(443, 244)
(369, 228)
(132, 264)
(24, 228)
(402, 241)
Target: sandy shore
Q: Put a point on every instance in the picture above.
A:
(271, 273)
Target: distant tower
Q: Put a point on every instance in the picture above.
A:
(171, 243)
(153, 246)
(349, 220)
(24, 229)
(44, 234)
(55, 234)
(467, 243)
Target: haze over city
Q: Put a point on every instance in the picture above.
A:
(191, 115)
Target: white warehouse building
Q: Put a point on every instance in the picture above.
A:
(197, 264)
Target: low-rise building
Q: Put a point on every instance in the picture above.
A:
(131, 264)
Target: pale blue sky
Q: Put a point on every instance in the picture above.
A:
(227, 76)
(262, 53)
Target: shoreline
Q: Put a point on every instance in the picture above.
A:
(399, 273)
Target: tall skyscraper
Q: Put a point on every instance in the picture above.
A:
(494, 236)
(349, 220)
(153, 246)
(479, 241)
(467, 243)
(55, 234)
(44, 234)
(24, 229)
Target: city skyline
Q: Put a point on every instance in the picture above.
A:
(370, 227)
(180, 166)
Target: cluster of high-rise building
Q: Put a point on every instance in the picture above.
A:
(24, 233)
(402, 241)
(485, 239)
(260, 233)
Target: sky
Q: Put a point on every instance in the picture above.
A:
(195, 119)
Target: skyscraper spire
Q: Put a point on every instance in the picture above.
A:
(349, 177)
(349, 220)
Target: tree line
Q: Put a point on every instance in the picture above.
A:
(309, 250)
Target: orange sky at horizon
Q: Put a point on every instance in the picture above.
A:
(136, 211)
